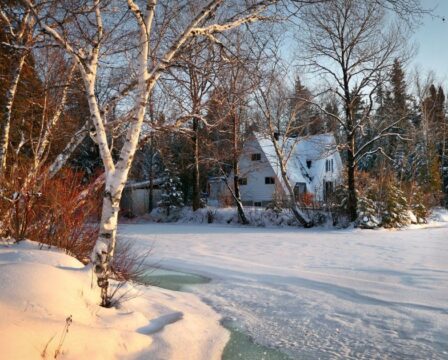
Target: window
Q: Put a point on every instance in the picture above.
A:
(256, 157)
(328, 190)
(242, 181)
(299, 189)
(309, 163)
(269, 180)
(329, 165)
(257, 203)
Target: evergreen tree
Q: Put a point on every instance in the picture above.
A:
(305, 121)
(398, 83)
(172, 195)
(367, 213)
(395, 207)
(418, 207)
(398, 112)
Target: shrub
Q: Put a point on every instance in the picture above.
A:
(337, 206)
(307, 199)
(275, 206)
(59, 212)
(394, 208)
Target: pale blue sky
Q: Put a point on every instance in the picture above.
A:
(432, 40)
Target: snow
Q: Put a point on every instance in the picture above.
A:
(318, 293)
(40, 289)
(257, 216)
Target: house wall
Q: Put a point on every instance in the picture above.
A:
(335, 177)
(256, 171)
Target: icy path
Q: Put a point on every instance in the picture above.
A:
(319, 293)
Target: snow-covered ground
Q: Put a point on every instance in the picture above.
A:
(40, 289)
(319, 293)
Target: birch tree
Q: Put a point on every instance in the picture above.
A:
(157, 46)
(18, 25)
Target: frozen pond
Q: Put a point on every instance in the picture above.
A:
(173, 280)
(240, 345)
(324, 294)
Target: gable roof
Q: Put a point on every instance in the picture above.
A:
(299, 150)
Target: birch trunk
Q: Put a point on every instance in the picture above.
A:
(5, 125)
(116, 176)
(291, 196)
(62, 158)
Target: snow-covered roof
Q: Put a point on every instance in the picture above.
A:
(298, 151)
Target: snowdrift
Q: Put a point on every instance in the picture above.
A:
(40, 289)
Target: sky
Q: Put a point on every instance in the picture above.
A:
(432, 41)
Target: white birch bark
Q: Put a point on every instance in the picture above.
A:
(116, 176)
(5, 125)
(62, 158)
(20, 41)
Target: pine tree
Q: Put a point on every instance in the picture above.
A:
(395, 207)
(398, 112)
(397, 80)
(418, 207)
(172, 195)
(367, 213)
(305, 122)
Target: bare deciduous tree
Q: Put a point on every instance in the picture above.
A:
(351, 44)
(81, 31)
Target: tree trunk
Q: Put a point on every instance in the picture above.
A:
(236, 185)
(151, 183)
(105, 245)
(352, 200)
(62, 158)
(291, 196)
(196, 175)
(5, 125)
(239, 205)
(292, 201)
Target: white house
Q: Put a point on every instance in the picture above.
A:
(314, 167)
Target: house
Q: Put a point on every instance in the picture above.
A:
(136, 197)
(314, 168)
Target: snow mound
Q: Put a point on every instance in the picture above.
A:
(439, 214)
(259, 217)
(44, 292)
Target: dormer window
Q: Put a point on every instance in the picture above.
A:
(256, 157)
(308, 164)
(329, 166)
